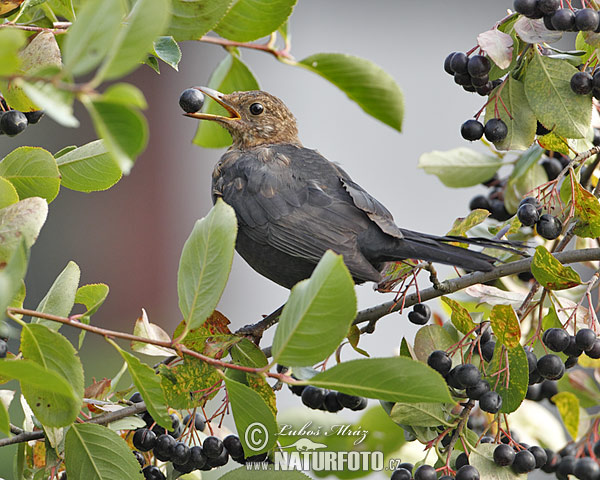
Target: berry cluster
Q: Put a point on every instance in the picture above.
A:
(166, 447)
(471, 73)
(328, 400)
(530, 214)
(13, 122)
(495, 130)
(467, 376)
(191, 100)
(561, 19)
(420, 314)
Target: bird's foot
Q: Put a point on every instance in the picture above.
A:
(255, 331)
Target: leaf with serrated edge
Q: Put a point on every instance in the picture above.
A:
(60, 297)
(230, 75)
(89, 168)
(505, 325)
(32, 171)
(54, 352)
(420, 414)
(326, 302)
(498, 46)
(167, 49)
(205, 264)
(249, 408)
(148, 384)
(249, 20)
(461, 318)
(568, 407)
(21, 221)
(371, 87)
(514, 110)
(551, 274)
(143, 328)
(460, 167)
(95, 452)
(556, 106)
(395, 379)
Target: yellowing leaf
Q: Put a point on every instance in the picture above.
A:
(551, 273)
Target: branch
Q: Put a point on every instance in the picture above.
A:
(372, 314)
(263, 47)
(99, 420)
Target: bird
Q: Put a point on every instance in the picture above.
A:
(292, 204)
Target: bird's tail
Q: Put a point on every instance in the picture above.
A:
(432, 248)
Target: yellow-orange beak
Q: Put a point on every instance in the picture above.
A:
(220, 99)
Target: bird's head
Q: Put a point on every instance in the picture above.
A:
(255, 118)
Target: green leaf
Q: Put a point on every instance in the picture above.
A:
(460, 316)
(419, 414)
(32, 171)
(190, 19)
(254, 420)
(248, 354)
(249, 20)
(512, 394)
(460, 167)
(58, 104)
(552, 274)
(430, 338)
(267, 473)
(148, 384)
(4, 419)
(375, 91)
(167, 49)
(89, 168)
(587, 212)
(11, 276)
(19, 222)
(556, 106)
(123, 129)
(152, 62)
(461, 226)
(95, 452)
(395, 379)
(61, 297)
(519, 119)
(205, 263)
(8, 193)
(147, 20)
(91, 36)
(505, 325)
(230, 75)
(53, 352)
(92, 296)
(568, 407)
(11, 41)
(324, 303)
(126, 94)
(185, 385)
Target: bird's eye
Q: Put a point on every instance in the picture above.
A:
(256, 109)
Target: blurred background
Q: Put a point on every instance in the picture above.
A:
(130, 236)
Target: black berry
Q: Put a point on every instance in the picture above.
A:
(556, 339)
(581, 83)
(585, 339)
(548, 6)
(34, 117)
(191, 100)
(586, 19)
(524, 462)
(540, 129)
(348, 401)
(504, 455)
(475, 392)
(490, 402)
(479, 201)
(139, 457)
(199, 422)
(447, 64)
(552, 166)
(212, 447)
(13, 122)
(563, 20)
(478, 66)
(401, 474)
(313, 397)
(572, 350)
(528, 215)
(136, 398)
(461, 460)
(180, 454)
(440, 361)
(594, 352)
(234, 446)
(164, 447)
(495, 130)
(219, 461)
(468, 375)
(425, 472)
(197, 457)
(467, 472)
(331, 402)
(420, 314)
(540, 455)
(153, 473)
(525, 7)
(471, 130)
(551, 367)
(459, 62)
(487, 350)
(144, 440)
(549, 226)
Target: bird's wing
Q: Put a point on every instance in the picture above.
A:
(371, 206)
(292, 199)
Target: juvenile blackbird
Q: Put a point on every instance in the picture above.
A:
(292, 204)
